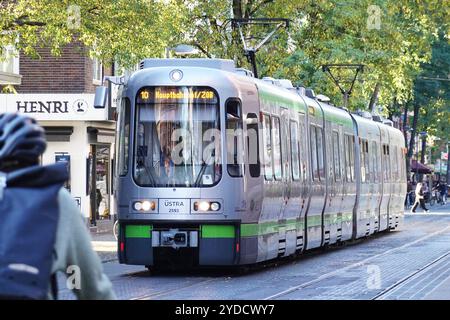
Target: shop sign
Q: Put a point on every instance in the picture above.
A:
(53, 106)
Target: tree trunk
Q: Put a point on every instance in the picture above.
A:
(448, 163)
(424, 146)
(405, 134)
(413, 133)
(237, 9)
(374, 98)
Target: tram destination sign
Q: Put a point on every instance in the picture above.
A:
(177, 95)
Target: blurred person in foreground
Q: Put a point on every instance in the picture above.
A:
(41, 231)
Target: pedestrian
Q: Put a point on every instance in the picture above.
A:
(42, 231)
(443, 189)
(420, 199)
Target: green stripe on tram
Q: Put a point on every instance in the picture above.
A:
(263, 228)
(217, 231)
(138, 231)
(258, 229)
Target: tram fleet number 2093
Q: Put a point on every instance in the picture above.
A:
(223, 309)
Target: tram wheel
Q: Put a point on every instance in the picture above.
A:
(150, 269)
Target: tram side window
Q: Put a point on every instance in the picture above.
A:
(320, 152)
(253, 145)
(303, 147)
(387, 163)
(336, 157)
(314, 167)
(124, 136)
(375, 162)
(395, 164)
(362, 160)
(367, 164)
(295, 151)
(267, 140)
(235, 163)
(403, 161)
(351, 149)
(276, 148)
(347, 158)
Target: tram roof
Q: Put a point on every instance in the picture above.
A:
(221, 64)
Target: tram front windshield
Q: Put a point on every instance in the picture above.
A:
(177, 139)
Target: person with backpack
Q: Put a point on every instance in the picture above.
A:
(41, 229)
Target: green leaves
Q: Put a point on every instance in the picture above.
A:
(127, 30)
(392, 38)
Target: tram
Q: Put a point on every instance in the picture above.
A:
(217, 168)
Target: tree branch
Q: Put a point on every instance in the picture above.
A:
(202, 49)
(262, 3)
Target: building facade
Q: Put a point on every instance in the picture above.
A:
(9, 67)
(59, 93)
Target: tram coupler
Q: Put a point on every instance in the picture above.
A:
(175, 238)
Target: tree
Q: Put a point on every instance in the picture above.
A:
(329, 31)
(121, 30)
(432, 94)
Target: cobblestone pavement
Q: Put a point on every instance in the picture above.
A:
(410, 263)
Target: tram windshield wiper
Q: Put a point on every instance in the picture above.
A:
(200, 174)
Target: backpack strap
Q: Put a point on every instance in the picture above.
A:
(2, 184)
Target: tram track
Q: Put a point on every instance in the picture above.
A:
(164, 293)
(362, 263)
(194, 283)
(428, 266)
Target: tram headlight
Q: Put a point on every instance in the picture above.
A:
(144, 205)
(215, 206)
(203, 206)
(137, 206)
(206, 206)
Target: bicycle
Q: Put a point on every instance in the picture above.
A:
(434, 198)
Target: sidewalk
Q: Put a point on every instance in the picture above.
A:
(437, 209)
(105, 245)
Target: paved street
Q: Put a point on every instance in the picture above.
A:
(411, 263)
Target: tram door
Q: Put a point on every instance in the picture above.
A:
(99, 183)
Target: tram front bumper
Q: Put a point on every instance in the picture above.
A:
(215, 244)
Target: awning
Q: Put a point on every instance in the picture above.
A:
(417, 167)
(100, 135)
(58, 133)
